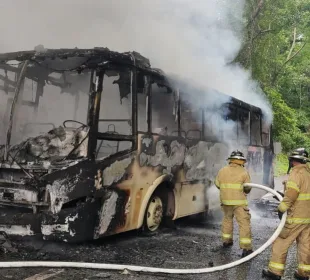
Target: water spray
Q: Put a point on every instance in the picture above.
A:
(136, 268)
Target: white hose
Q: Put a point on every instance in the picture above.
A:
(155, 269)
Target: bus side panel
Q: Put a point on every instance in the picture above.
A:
(149, 163)
(191, 199)
(260, 166)
(269, 168)
(192, 165)
(192, 168)
(197, 175)
(175, 157)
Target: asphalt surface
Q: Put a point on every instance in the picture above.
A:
(189, 245)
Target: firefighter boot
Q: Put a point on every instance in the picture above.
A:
(246, 252)
(299, 277)
(269, 275)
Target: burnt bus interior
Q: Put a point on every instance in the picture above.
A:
(55, 93)
(232, 121)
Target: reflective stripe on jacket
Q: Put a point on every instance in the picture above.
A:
(296, 199)
(230, 180)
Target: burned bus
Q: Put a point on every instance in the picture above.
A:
(96, 142)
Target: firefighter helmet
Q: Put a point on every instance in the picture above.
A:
(236, 155)
(300, 155)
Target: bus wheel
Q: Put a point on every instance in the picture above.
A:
(154, 214)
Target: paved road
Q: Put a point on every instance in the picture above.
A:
(190, 245)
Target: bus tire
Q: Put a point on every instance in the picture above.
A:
(154, 214)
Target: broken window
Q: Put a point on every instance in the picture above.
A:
(164, 121)
(191, 119)
(256, 139)
(116, 104)
(212, 126)
(229, 126)
(237, 124)
(115, 112)
(243, 126)
(46, 104)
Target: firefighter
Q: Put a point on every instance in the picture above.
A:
(296, 202)
(229, 181)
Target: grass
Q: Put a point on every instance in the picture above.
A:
(281, 165)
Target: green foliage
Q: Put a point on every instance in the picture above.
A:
(281, 165)
(287, 123)
(277, 50)
(284, 116)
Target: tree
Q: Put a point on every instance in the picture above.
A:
(277, 51)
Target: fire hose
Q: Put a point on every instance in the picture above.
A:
(103, 266)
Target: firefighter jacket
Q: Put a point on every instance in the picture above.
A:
(229, 181)
(296, 200)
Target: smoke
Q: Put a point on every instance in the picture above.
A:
(193, 40)
(214, 197)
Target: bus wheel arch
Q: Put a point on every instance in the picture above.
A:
(160, 193)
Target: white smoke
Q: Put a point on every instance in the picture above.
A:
(194, 40)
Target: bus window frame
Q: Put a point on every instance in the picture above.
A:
(181, 102)
(229, 109)
(147, 86)
(260, 129)
(219, 112)
(269, 143)
(222, 110)
(149, 79)
(96, 89)
(248, 111)
(152, 79)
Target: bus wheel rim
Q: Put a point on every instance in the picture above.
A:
(154, 213)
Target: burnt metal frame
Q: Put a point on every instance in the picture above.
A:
(15, 99)
(148, 89)
(238, 109)
(98, 58)
(251, 112)
(260, 128)
(94, 112)
(237, 105)
(96, 87)
(202, 136)
(150, 79)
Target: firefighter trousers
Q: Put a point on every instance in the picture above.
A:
(290, 233)
(243, 218)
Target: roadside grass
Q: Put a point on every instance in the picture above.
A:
(281, 165)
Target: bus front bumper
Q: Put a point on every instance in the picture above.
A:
(74, 224)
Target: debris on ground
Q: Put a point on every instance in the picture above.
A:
(125, 272)
(5, 244)
(102, 275)
(266, 206)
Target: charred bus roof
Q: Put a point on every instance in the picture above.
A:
(97, 58)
